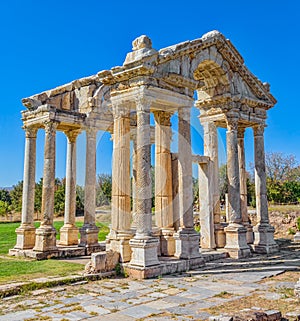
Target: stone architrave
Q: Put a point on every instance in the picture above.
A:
(69, 232)
(143, 245)
(263, 231)
(163, 182)
(26, 231)
(243, 185)
(45, 240)
(120, 234)
(236, 243)
(89, 230)
(186, 238)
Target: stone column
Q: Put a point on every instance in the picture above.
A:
(69, 232)
(26, 231)
(163, 182)
(89, 230)
(120, 234)
(243, 185)
(210, 140)
(186, 238)
(263, 231)
(134, 165)
(236, 243)
(143, 245)
(46, 234)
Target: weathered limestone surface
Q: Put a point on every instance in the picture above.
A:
(89, 230)
(236, 242)
(263, 231)
(69, 232)
(26, 232)
(46, 233)
(120, 101)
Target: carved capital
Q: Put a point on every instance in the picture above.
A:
(120, 111)
(259, 129)
(143, 103)
(50, 127)
(72, 134)
(241, 132)
(30, 132)
(91, 132)
(162, 118)
(184, 113)
(232, 124)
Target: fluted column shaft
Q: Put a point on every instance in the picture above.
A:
(69, 232)
(29, 177)
(49, 174)
(233, 172)
(163, 170)
(143, 168)
(243, 177)
(70, 202)
(90, 177)
(134, 164)
(26, 231)
(260, 175)
(121, 170)
(210, 139)
(185, 189)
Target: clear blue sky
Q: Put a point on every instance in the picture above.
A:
(48, 43)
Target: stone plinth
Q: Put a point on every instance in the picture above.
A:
(264, 239)
(88, 235)
(236, 244)
(220, 235)
(68, 235)
(45, 239)
(144, 252)
(119, 242)
(167, 242)
(187, 244)
(25, 237)
(249, 234)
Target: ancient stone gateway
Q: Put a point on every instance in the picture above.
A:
(120, 101)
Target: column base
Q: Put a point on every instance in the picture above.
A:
(45, 239)
(167, 242)
(25, 237)
(220, 235)
(264, 239)
(119, 242)
(88, 235)
(297, 237)
(187, 244)
(68, 235)
(144, 252)
(236, 243)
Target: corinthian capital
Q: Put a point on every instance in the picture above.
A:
(232, 124)
(162, 118)
(143, 103)
(120, 111)
(72, 134)
(50, 127)
(241, 132)
(259, 129)
(30, 132)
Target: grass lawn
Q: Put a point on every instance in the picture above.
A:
(18, 269)
(8, 235)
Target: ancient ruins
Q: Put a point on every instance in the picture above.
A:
(120, 101)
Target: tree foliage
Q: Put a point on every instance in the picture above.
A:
(103, 189)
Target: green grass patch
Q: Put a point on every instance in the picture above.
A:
(22, 269)
(8, 235)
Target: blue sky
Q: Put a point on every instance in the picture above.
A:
(48, 43)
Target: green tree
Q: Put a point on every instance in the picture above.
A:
(223, 181)
(103, 189)
(59, 196)
(38, 196)
(79, 199)
(5, 196)
(16, 197)
(5, 208)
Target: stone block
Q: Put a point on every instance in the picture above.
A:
(297, 237)
(187, 244)
(25, 238)
(264, 239)
(68, 235)
(45, 239)
(236, 243)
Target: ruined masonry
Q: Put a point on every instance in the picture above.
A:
(120, 102)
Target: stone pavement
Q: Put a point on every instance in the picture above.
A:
(184, 296)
